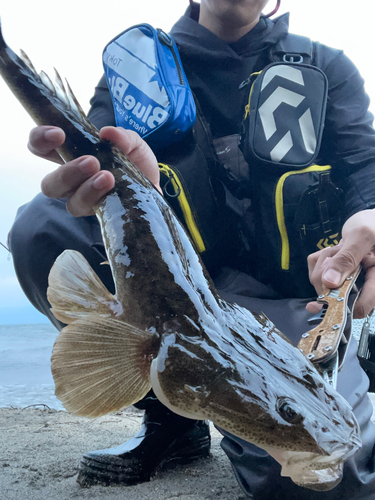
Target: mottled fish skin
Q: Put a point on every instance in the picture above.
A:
(205, 358)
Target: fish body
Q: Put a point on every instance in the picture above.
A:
(166, 326)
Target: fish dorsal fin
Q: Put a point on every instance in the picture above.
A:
(101, 365)
(25, 58)
(61, 94)
(75, 290)
(75, 103)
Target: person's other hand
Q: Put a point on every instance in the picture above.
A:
(331, 266)
(81, 181)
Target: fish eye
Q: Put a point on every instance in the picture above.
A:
(288, 413)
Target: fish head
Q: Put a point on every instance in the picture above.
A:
(260, 388)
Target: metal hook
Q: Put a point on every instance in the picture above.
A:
(165, 188)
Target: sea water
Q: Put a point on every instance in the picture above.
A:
(25, 367)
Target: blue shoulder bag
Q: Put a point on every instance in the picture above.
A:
(148, 86)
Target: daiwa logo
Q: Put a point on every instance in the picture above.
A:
(283, 95)
(331, 241)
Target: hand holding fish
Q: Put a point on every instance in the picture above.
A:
(44, 140)
(332, 265)
(81, 181)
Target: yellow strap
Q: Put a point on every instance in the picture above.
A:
(279, 203)
(247, 107)
(184, 205)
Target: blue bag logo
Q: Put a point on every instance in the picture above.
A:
(140, 100)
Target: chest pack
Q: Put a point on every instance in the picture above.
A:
(285, 111)
(148, 86)
(298, 210)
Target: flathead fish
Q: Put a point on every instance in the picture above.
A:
(166, 327)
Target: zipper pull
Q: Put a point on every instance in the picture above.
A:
(245, 83)
(249, 80)
(164, 38)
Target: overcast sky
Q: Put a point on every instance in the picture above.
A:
(72, 40)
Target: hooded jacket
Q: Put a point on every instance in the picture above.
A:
(252, 234)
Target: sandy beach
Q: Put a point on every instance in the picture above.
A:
(40, 450)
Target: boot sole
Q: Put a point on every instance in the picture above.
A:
(106, 472)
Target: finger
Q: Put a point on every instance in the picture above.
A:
(44, 140)
(89, 193)
(314, 307)
(317, 265)
(366, 301)
(350, 255)
(127, 140)
(65, 180)
(136, 149)
(316, 259)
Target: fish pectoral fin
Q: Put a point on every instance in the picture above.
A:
(75, 290)
(101, 365)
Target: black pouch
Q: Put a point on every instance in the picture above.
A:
(318, 219)
(284, 116)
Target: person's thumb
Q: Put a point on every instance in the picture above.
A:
(341, 265)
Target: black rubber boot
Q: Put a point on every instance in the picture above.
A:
(164, 436)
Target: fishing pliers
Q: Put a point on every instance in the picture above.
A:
(326, 344)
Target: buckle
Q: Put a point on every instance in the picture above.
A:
(293, 58)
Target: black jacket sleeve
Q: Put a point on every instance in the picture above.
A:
(349, 137)
(101, 112)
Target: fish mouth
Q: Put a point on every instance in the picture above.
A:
(318, 480)
(315, 471)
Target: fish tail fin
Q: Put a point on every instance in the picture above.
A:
(75, 291)
(101, 365)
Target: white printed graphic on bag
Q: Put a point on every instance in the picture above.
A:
(287, 115)
(140, 100)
